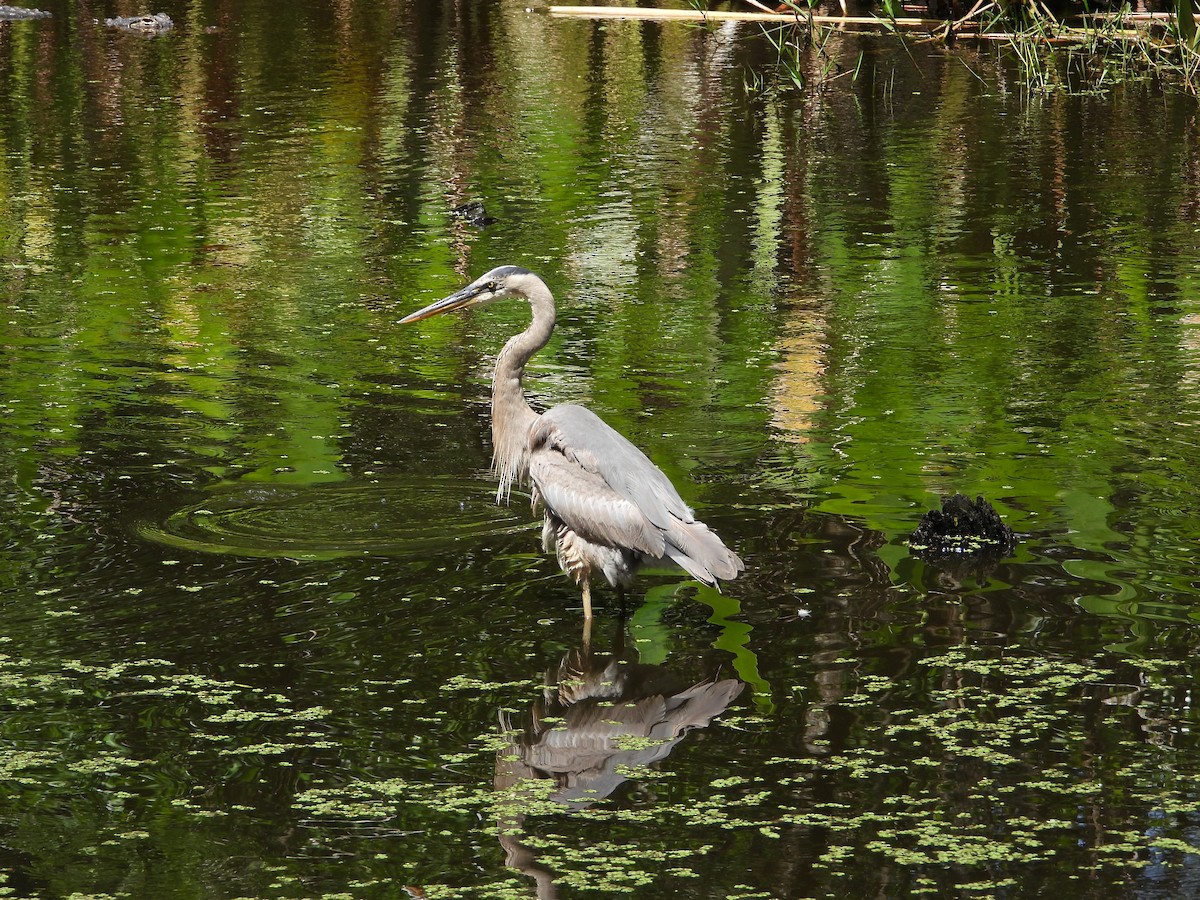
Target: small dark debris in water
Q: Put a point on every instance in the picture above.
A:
(962, 527)
(155, 24)
(474, 213)
(16, 13)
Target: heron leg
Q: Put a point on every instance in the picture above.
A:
(587, 636)
(586, 587)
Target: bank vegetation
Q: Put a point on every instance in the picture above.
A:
(1073, 45)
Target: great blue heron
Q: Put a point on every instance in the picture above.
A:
(608, 508)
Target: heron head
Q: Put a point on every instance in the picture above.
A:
(502, 281)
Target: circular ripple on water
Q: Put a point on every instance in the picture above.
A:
(385, 518)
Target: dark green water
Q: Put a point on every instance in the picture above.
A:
(265, 633)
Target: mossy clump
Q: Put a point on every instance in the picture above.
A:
(962, 526)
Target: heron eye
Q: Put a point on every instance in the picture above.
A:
(492, 286)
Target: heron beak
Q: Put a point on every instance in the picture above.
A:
(468, 296)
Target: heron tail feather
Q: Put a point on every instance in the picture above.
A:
(700, 553)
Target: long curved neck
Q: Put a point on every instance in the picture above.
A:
(512, 417)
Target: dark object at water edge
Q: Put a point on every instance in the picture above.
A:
(155, 24)
(962, 526)
(474, 213)
(17, 13)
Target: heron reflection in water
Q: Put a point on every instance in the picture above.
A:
(600, 719)
(608, 508)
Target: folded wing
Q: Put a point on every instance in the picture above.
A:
(606, 490)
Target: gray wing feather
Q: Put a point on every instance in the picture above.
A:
(586, 439)
(607, 490)
(589, 507)
(701, 553)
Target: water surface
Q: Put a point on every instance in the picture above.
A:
(265, 632)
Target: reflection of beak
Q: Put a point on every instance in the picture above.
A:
(468, 296)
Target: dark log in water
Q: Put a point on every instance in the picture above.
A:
(962, 526)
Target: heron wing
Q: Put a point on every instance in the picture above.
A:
(607, 490)
(591, 443)
(588, 506)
